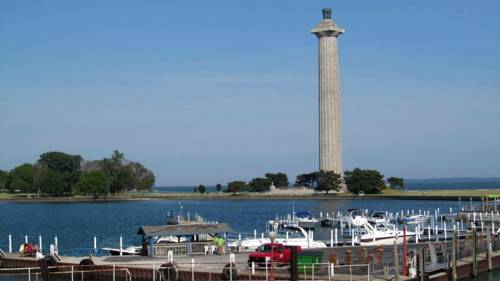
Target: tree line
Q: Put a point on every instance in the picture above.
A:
(61, 174)
(355, 181)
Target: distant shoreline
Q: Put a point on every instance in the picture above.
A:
(450, 195)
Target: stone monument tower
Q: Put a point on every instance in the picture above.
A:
(330, 133)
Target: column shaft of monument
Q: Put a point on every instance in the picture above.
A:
(330, 128)
(330, 133)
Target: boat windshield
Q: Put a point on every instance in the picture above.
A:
(292, 233)
(356, 213)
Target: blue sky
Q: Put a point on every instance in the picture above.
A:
(213, 91)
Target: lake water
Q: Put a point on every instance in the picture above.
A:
(75, 224)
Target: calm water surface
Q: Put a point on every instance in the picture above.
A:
(75, 224)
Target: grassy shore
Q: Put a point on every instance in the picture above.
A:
(386, 194)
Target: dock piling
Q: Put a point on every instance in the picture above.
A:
(10, 244)
(396, 261)
(121, 245)
(192, 270)
(454, 256)
(474, 252)
(421, 264)
(40, 242)
(488, 252)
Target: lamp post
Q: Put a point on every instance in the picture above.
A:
(272, 236)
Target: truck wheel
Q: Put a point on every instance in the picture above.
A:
(169, 271)
(230, 272)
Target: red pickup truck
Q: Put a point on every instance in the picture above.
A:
(281, 254)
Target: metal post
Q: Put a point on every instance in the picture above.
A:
(396, 261)
(421, 264)
(29, 274)
(26, 239)
(454, 256)
(154, 271)
(368, 272)
(114, 272)
(72, 273)
(331, 238)
(417, 234)
(488, 253)
(95, 244)
(255, 234)
(474, 252)
(404, 250)
(336, 241)
(10, 244)
(56, 242)
(192, 270)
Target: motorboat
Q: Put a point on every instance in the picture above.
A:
(356, 218)
(374, 235)
(378, 218)
(290, 236)
(414, 219)
(129, 251)
(305, 219)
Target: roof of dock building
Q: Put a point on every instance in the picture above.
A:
(184, 229)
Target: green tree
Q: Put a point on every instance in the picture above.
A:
(21, 178)
(60, 161)
(3, 179)
(92, 183)
(396, 182)
(119, 177)
(236, 186)
(279, 179)
(328, 180)
(202, 189)
(218, 187)
(309, 180)
(65, 165)
(368, 181)
(143, 178)
(52, 183)
(259, 184)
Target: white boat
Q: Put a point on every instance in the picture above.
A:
(378, 218)
(356, 218)
(129, 251)
(415, 219)
(291, 236)
(369, 235)
(302, 219)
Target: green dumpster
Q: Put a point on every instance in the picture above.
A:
(309, 260)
